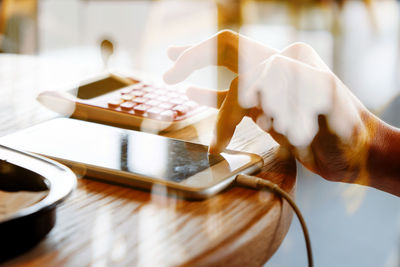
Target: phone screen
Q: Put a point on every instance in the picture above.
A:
(171, 160)
(123, 150)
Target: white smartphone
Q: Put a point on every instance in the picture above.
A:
(135, 158)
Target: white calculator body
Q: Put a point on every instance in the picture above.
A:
(128, 103)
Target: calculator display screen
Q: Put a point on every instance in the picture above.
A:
(97, 88)
(135, 152)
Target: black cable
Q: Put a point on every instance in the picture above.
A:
(258, 183)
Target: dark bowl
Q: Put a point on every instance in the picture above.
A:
(21, 171)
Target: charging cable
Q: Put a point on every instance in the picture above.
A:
(258, 183)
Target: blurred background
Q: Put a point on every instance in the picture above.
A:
(49, 43)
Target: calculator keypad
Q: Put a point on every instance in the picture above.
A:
(147, 101)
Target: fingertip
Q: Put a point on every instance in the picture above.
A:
(214, 148)
(171, 53)
(221, 139)
(213, 151)
(174, 52)
(171, 76)
(191, 92)
(167, 77)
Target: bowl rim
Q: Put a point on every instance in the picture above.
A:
(61, 180)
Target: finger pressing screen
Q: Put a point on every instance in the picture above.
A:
(229, 115)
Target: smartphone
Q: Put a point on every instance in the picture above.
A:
(128, 103)
(135, 158)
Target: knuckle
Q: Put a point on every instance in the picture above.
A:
(226, 37)
(298, 50)
(277, 60)
(226, 33)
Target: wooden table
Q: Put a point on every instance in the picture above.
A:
(103, 224)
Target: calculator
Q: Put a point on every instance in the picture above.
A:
(128, 103)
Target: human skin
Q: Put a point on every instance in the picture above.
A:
(299, 101)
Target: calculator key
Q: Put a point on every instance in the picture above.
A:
(181, 109)
(153, 103)
(191, 104)
(137, 93)
(177, 101)
(173, 95)
(115, 103)
(141, 109)
(163, 98)
(140, 100)
(126, 91)
(127, 106)
(150, 96)
(127, 97)
(160, 91)
(184, 97)
(137, 86)
(166, 105)
(181, 90)
(168, 115)
(148, 89)
(154, 112)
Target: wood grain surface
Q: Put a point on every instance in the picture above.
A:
(107, 225)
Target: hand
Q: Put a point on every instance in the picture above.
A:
(292, 95)
(221, 49)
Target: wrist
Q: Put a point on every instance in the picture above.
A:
(383, 161)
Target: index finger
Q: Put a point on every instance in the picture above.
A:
(230, 114)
